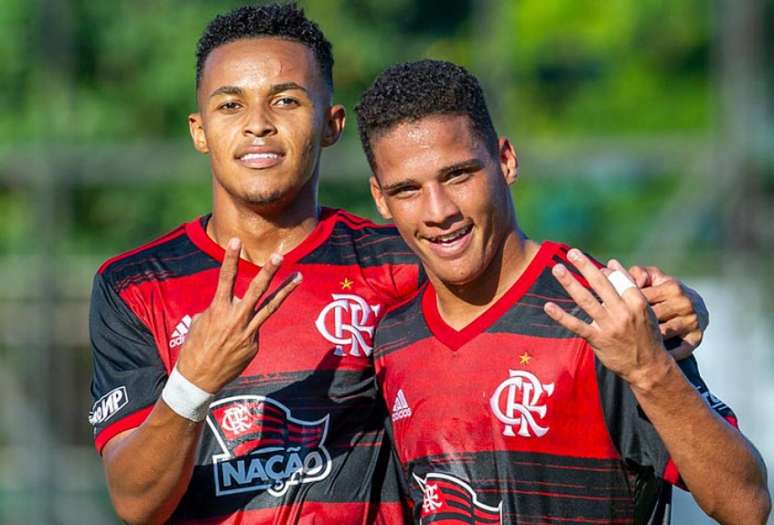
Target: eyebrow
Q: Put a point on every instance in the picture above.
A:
(286, 86)
(464, 166)
(226, 90)
(277, 88)
(397, 185)
(469, 165)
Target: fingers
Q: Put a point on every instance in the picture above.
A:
(682, 327)
(579, 293)
(655, 275)
(569, 321)
(667, 289)
(260, 284)
(228, 271)
(672, 328)
(597, 280)
(640, 274)
(683, 351)
(670, 309)
(274, 301)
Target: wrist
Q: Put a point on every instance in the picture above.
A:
(652, 376)
(185, 398)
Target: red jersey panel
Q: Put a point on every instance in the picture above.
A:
(299, 437)
(513, 419)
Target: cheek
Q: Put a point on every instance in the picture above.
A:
(406, 217)
(218, 140)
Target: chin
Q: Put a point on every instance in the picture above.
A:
(452, 277)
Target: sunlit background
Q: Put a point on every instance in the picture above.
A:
(644, 130)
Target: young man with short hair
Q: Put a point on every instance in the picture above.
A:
(517, 396)
(199, 416)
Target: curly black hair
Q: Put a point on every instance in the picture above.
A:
(410, 91)
(285, 21)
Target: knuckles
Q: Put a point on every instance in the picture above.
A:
(672, 287)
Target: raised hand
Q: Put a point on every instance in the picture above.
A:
(624, 331)
(223, 339)
(680, 310)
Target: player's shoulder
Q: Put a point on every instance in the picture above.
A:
(559, 255)
(170, 255)
(403, 324)
(362, 240)
(362, 229)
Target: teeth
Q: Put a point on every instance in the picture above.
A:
(449, 237)
(259, 156)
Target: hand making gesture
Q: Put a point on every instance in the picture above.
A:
(624, 332)
(223, 339)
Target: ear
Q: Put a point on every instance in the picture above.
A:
(379, 200)
(335, 118)
(196, 127)
(509, 163)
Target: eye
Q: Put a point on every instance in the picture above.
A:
(459, 176)
(230, 106)
(286, 102)
(403, 192)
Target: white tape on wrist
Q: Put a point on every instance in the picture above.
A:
(620, 282)
(185, 398)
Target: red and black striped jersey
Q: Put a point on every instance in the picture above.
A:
(299, 437)
(513, 419)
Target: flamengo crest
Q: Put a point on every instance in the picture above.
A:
(348, 322)
(264, 447)
(516, 403)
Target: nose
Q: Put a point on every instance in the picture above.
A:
(440, 208)
(258, 123)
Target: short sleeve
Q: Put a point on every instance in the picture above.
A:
(128, 373)
(633, 435)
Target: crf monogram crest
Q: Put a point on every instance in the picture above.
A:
(236, 419)
(348, 322)
(516, 403)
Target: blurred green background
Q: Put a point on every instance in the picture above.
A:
(643, 127)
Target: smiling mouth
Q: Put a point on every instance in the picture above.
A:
(450, 238)
(260, 160)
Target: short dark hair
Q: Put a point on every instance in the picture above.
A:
(411, 91)
(285, 21)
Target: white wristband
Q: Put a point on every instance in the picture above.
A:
(620, 282)
(185, 398)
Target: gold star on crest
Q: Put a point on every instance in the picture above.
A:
(525, 357)
(346, 284)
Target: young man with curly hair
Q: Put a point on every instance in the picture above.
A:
(529, 383)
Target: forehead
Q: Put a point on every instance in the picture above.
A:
(426, 145)
(260, 60)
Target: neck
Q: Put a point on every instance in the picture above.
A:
(264, 229)
(459, 305)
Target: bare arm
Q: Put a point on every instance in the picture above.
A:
(721, 468)
(148, 468)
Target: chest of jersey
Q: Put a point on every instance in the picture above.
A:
(498, 392)
(326, 323)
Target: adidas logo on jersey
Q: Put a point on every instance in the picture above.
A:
(181, 330)
(400, 408)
